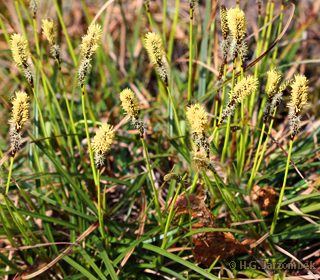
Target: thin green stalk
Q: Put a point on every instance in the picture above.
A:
(71, 120)
(170, 216)
(99, 206)
(88, 135)
(226, 139)
(253, 171)
(190, 55)
(10, 172)
(164, 32)
(277, 210)
(266, 142)
(5, 32)
(173, 31)
(21, 20)
(151, 180)
(41, 116)
(148, 12)
(223, 94)
(194, 184)
(175, 116)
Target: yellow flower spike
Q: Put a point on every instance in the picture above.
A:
(198, 118)
(102, 142)
(299, 93)
(20, 109)
(244, 88)
(19, 48)
(274, 79)
(154, 48)
(48, 30)
(130, 103)
(91, 41)
(201, 163)
(224, 21)
(237, 23)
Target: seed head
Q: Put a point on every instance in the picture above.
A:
(19, 48)
(299, 93)
(129, 103)
(20, 109)
(102, 142)
(237, 23)
(91, 41)
(198, 118)
(224, 21)
(274, 79)
(243, 88)
(48, 30)
(154, 48)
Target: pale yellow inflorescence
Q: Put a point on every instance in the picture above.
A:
(154, 48)
(237, 23)
(198, 118)
(199, 161)
(48, 30)
(19, 48)
(103, 139)
(91, 41)
(299, 93)
(274, 79)
(129, 103)
(244, 88)
(20, 109)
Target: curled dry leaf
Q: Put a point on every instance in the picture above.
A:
(263, 196)
(207, 245)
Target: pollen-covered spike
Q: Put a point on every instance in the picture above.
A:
(154, 48)
(129, 103)
(199, 161)
(237, 23)
(20, 109)
(102, 142)
(224, 22)
(274, 79)
(19, 48)
(91, 41)
(198, 118)
(299, 93)
(48, 30)
(244, 88)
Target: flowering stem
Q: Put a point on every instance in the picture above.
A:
(164, 21)
(253, 172)
(10, 172)
(151, 180)
(71, 118)
(226, 139)
(99, 206)
(277, 210)
(88, 136)
(266, 142)
(175, 115)
(190, 55)
(148, 12)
